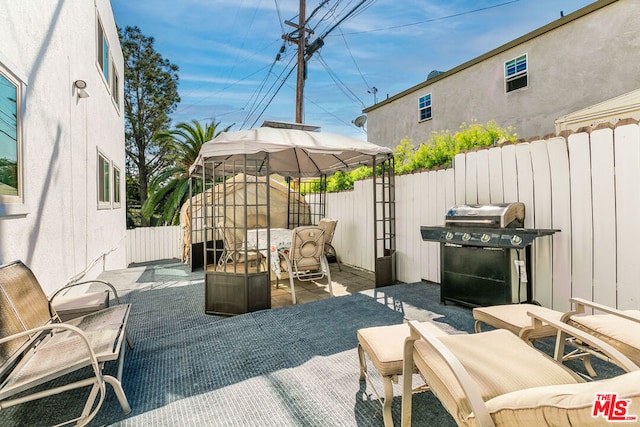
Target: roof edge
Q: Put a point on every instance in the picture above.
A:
(599, 4)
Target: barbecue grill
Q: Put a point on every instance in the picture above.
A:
(485, 254)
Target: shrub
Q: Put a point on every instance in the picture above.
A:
(438, 151)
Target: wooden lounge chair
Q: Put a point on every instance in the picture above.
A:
(496, 378)
(306, 259)
(37, 348)
(620, 329)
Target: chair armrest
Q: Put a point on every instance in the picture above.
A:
(580, 305)
(563, 329)
(107, 284)
(463, 377)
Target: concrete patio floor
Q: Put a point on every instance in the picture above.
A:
(346, 280)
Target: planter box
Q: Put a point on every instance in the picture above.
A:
(236, 293)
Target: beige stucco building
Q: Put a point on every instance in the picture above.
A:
(579, 60)
(62, 152)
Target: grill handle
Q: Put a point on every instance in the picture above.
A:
(470, 221)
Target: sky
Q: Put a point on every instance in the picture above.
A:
(227, 51)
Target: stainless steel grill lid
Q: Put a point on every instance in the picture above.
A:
(503, 215)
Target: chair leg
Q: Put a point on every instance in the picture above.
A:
(122, 398)
(293, 289)
(363, 363)
(328, 271)
(388, 400)
(335, 254)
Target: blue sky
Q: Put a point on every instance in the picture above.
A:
(226, 51)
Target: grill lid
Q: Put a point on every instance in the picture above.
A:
(503, 215)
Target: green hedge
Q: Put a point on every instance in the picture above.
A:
(438, 151)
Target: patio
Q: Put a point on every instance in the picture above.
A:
(293, 365)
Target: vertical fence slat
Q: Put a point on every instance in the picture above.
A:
(581, 221)
(482, 173)
(561, 219)
(542, 247)
(604, 216)
(460, 171)
(496, 190)
(471, 177)
(509, 174)
(434, 218)
(627, 161)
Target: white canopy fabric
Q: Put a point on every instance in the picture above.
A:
(292, 152)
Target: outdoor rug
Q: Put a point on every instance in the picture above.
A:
(293, 366)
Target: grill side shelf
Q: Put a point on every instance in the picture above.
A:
(488, 237)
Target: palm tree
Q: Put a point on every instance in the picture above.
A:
(169, 189)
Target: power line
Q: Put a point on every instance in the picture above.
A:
(343, 87)
(354, 59)
(455, 15)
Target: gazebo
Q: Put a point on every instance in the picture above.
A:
(247, 159)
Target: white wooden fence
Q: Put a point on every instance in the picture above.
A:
(153, 243)
(586, 185)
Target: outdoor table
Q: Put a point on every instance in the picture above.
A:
(280, 241)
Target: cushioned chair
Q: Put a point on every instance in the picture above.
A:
(620, 329)
(330, 225)
(496, 378)
(306, 259)
(384, 346)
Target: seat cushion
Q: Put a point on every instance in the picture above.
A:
(567, 404)
(514, 318)
(622, 334)
(498, 362)
(385, 345)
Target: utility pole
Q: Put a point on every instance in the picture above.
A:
(302, 67)
(306, 51)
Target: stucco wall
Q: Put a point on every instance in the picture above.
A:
(570, 67)
(60, 232)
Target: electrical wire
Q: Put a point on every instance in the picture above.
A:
(455, 15)
(341, 85)
(273, 97)
(353, 59)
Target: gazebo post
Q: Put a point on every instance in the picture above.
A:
(384, 220)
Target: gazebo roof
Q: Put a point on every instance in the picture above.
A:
(292, 152)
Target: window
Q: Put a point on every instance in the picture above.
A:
(103, 182)
(116, 187)
(103, 52)
(10, 140)
(424, 106)
(115, 90)
(515, 73)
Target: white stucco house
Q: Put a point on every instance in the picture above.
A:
(62, 149)
(574, 62)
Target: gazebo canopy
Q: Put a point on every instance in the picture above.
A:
(292, 152)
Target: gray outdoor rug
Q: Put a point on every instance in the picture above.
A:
(294, 366)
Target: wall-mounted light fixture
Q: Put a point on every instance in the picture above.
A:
(81, 85)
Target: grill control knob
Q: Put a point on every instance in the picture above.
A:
(449, 235)
(485, 238)
(516, 240)
(466, 237)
